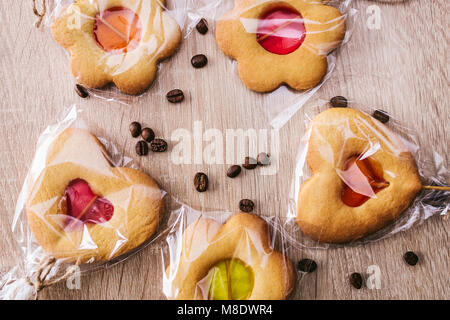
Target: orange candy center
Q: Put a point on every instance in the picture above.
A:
(363, 178)
(117, 30)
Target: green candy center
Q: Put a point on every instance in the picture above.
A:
(230, 280)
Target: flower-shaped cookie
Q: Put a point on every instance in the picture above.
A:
(80, 208)
(118, 41)
(280, 42)
(363, 177)
(231, 261)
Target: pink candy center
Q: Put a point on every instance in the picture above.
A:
(81, 204)
(281, 31)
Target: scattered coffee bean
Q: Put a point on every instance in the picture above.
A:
(263, 159)
(246, 205)
(81, 91)
(201, 182)
(411, 258)
(381, 116)
(307, 265)
(147, 134)
(175, 96)
(233, 171)
(158, 145)
(250, 163)
(199, 61)
(338, 102)
(142, 148)
(135, 129)
(356, 280)
(202, 26)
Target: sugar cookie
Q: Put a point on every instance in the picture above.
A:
(278, 43)
(118, 41)
(82, 208)
(363, 177)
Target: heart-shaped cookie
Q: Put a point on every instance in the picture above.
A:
(82, 208)
(119, 41)
(363, 177)
(231, 261)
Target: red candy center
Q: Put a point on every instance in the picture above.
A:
(281, 31)
(117, 30)
(363, 178)
(81, 204)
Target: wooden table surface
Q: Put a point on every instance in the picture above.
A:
(403, 67)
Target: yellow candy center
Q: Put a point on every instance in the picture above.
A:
(230, 280)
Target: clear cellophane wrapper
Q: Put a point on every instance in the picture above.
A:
(377, 142)
(92, 31)
(279, 102)
(262, 21)
(83, 207)
(219, 255)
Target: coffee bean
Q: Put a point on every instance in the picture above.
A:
(147, 134)
(411, 258)
(338, 102)
(201, 182)
(158, 145)
(142, 148)
(307, 265)
(202, 26)
(356, 280)
(263, 159)
(81, 91)
(135, 129)
(250, 163)
(233, 171)
(381, 116)
(246, 205)
(199, 61)
(175, 96)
